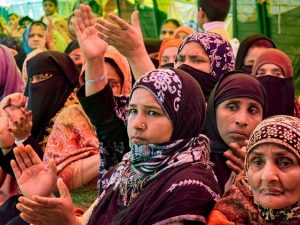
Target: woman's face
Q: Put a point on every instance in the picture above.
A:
(167, 31)
(147, 121)
(269, 69)
(273, 175)
(37, 37)
(114, 79)
(251, 56)
(195, 56)
(169, 55)
(77, 57)
(237, 118)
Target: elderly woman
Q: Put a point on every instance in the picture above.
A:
(268, 191)
(235, 107)
(274, 70)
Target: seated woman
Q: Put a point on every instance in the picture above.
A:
(169, 157)
(206, 56)
(235, 107)
(274, 70)
(268, 191)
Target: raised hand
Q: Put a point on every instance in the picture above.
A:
(84, 25)
(128, 39)
(236, 156)
(32, 175)
(49, 211)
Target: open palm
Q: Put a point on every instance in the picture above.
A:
(84, 25)
(33, 177)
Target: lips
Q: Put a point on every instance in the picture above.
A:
(271, 191)
(239, 134)
(137, 140)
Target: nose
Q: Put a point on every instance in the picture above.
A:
(269, 172)
(242, 119)
(138, 122)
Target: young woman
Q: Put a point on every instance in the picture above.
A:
(268, 191)
(235, 107)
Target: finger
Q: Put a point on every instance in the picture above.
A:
(234, 159)
(237, 150)
(135, 20)
(78, 22)
(233, 167)
(32, 155)
(90, 17)
(85, 14)
(19, 159)
(63, 189)
(26, 157)
(15, 169)
(30, 220)
(122, 23)
(52, 168)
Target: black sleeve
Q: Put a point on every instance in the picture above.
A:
(5, 159)
(111, 130)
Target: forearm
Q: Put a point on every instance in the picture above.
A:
(81, 172)
(95, 69)
(140, 63)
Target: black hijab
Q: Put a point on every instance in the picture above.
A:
(247, 43)
(234, 84)
(47, 97)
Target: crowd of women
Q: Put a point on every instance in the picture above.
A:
(100, 135)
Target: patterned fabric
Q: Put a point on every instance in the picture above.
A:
(282, 130)
(219, 51)
(237, 206)
(149, 170)
(173, 90)
(146, 162)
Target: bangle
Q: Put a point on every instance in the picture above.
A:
(96, 80)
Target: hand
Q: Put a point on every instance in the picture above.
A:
(84, 25)
(236, 156)
(48, 211)
(20, 122)
(128, 39)
(33, 177)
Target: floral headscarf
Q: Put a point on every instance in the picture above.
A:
(219, 51)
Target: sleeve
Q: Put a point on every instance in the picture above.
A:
(111, 129)
(71, 141)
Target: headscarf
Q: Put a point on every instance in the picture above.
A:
(122, 63)
(280, 91)
(47, 97)
(246, 44)
(234, 84)
(167, 44)
(284, 131)
(179, 95)
(10, 76)
(219, 51)
(184, 29)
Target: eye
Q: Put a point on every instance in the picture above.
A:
(179, 58)
(131, 111)
(253, 110)
(257, 162)
(232, 107)
(285, 162)
(152, 113)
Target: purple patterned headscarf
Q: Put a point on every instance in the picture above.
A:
(181, 98)
(219, 51)
(10, 76)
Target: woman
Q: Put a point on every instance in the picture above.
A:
(10, 76)
(274, 70)
(268, 191)
(206, 56)
(235, 107)
(167, 52)
(249, 48)
(182, 31)
(168, 157)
